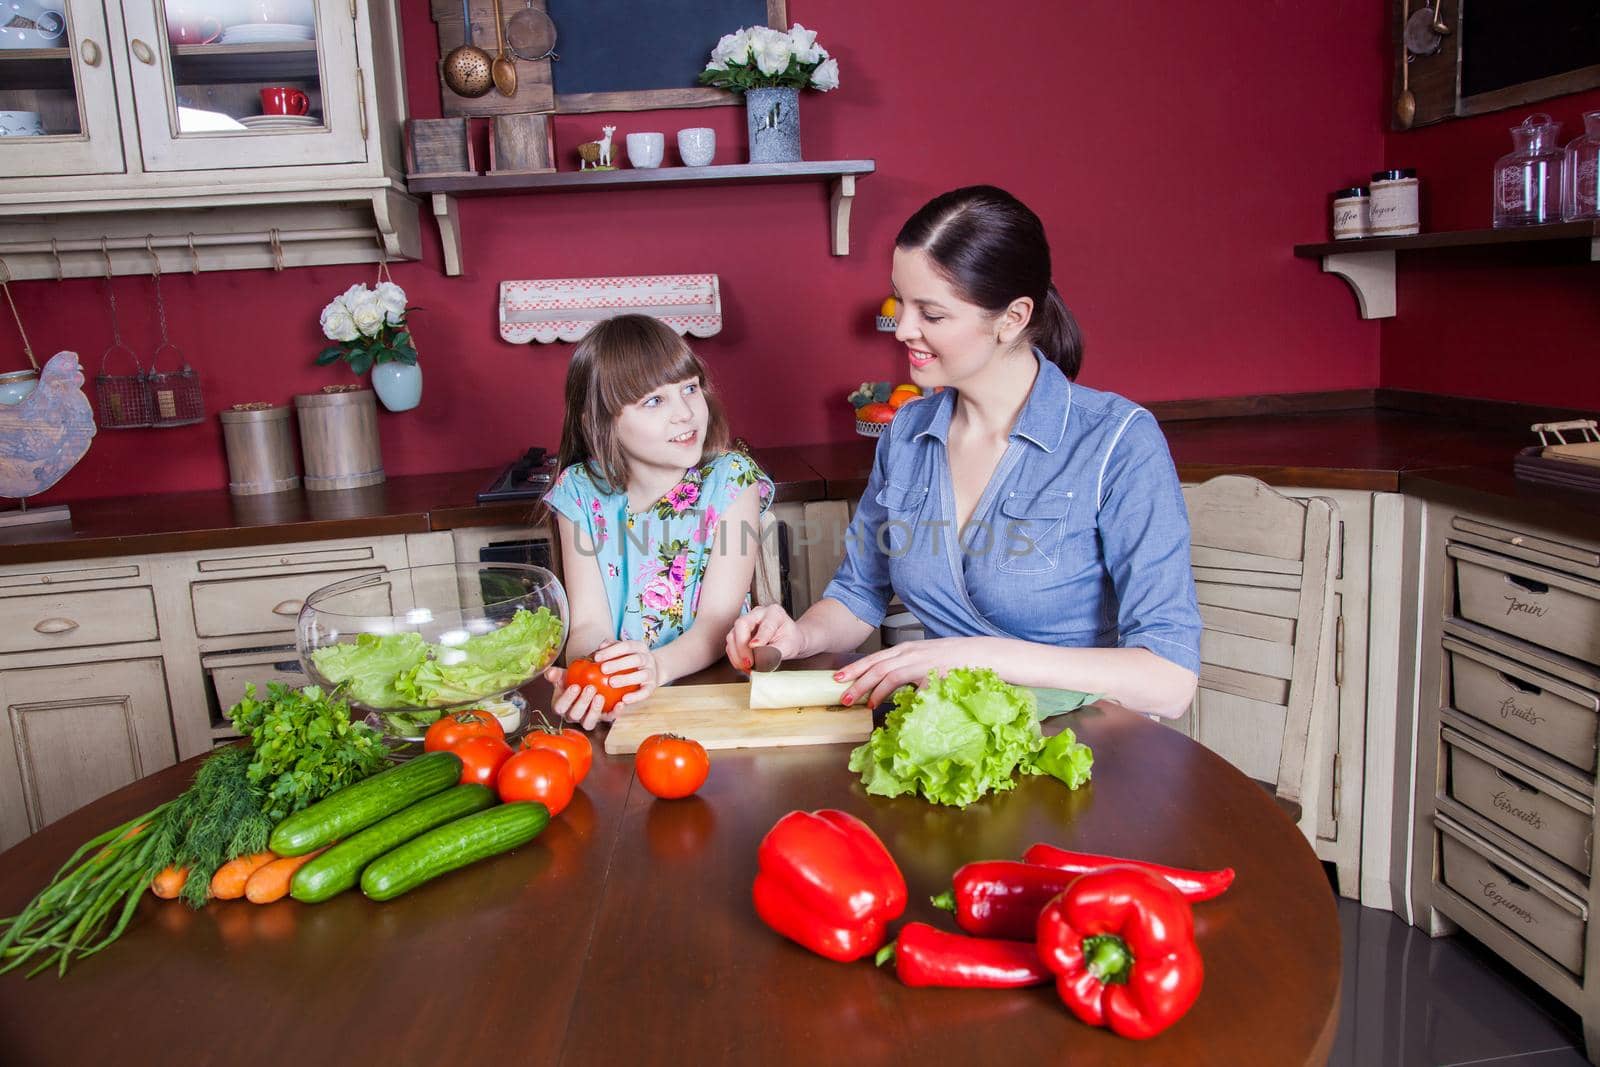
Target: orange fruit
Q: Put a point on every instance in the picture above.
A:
(903, 393)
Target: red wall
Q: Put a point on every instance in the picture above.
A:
(1175, 161)
(1507, 323)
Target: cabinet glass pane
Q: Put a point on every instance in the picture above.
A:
(38, 86)
(244, 66)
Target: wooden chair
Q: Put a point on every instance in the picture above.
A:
(766, 587)
(1262, 564)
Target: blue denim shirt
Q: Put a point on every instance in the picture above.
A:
(1080, 539)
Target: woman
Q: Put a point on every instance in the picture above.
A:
(1071, 570)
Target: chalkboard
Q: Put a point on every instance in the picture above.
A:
(1509, 42)
(627, 55)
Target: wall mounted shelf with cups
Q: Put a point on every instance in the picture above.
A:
(1367, 263)
(839, 174)
(154, 122)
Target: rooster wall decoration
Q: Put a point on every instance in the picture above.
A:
(43, 436)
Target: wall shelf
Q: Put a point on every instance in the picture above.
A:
(1367, 263)
(444, 189)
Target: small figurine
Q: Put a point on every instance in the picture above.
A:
(596, 155)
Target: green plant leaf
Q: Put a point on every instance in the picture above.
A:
(329, 355)
(362, 362)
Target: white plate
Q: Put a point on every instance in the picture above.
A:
(266, 33)
(281, 120)
(194, 120)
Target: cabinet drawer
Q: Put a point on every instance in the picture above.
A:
(1519, 899)
(70, 620)
(1552, 609)
(1546, 712)
(229, 681)
(1525, 804)
(257, 605)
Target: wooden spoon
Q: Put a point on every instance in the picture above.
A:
(1405, 108)
(504, 69)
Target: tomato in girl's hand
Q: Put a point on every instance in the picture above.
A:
(671, 766)
(456, 727)
(587, 672)
(571, 743)
(537, 774)
(481, 758)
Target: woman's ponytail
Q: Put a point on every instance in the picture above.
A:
(1054, 332)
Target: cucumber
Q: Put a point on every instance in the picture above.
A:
(453, 845)
(338, 868)
(355, 807)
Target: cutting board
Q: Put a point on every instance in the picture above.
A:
(719, 716)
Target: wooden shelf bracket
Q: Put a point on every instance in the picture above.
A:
(844, 195)
(1370, 276)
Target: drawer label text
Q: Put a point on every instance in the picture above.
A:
(1510, 709)
(1515, 605)
(1502, 800)
(1492, 894)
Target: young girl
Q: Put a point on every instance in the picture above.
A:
(659, 520)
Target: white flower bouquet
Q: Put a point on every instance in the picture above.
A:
(759, 57)
(370, 325)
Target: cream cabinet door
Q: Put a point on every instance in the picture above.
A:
(220, 85)
(58, 99)
(73, 733)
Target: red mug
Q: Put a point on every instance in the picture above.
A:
(282, 100)
(201, 30)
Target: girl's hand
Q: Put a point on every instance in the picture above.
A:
(767, 625)
(581, 706)
(627, 663)
(873, 678)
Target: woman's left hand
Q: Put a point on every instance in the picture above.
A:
(628, 663)
(874, 677)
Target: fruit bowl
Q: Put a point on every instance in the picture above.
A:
(405, 646)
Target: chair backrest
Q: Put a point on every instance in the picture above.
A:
(766, 587)
(1262, 565)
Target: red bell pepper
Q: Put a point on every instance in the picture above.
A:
(1120, 942)
(926, 956)
(827, 882)
(1194, 885)
(1002, 898)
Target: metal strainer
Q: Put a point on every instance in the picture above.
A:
(531, 34)
(465, 68)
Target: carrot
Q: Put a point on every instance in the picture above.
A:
(271, 882)
(229, 881)
(168, 883)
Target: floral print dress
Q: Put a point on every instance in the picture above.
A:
(652, 561)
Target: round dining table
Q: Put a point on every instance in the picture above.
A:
(625, 934)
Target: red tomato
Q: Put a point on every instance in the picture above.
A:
(587, 672)
(671, 766)
(876, 413)
(481, 758)
(571, 743)
(452, 729)
(537, 774)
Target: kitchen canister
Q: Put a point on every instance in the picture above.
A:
(260, 447)
(1350, 211)
(339, 438)
(1392, 209)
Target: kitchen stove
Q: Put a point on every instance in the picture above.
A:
(527, 479)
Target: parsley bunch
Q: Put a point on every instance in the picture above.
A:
(304, 745)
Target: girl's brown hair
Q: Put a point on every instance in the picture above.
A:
(620, 361)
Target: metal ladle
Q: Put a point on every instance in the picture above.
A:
(466, 67)
(504, 68)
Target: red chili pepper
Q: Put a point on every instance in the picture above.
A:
(827, 882)
(1120, 941)
(926, 956)
(1002, 898)
(1194, 885)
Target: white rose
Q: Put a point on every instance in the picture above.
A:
(337, 325)
(732, 48)
(803, 43)
(392, 299)
(367, 313)
(773, 54)
(826, 76)
(352, 294)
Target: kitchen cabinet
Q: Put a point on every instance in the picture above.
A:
(153, 129)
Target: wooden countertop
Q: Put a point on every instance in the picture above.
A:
(1363, 449)
(625, 934)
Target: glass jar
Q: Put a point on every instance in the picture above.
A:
(1350, 213)
(1580, 173)
(1393, 209)
(1527, 181)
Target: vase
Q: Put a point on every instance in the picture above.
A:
(398, 385)
(773, 117)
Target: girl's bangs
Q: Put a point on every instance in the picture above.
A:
(643, 363)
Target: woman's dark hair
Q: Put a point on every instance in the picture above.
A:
(992, 248)
(619, 361)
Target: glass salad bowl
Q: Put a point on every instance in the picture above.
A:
(403, 647)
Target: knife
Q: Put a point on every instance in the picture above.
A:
(765, 659)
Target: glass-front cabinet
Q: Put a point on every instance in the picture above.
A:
(58, 101)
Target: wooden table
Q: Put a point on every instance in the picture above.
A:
(625, 935)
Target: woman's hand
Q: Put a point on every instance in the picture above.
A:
(873, 678)
(767, 625)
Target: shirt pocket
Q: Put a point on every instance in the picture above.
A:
(903, 506)
(1031, 526)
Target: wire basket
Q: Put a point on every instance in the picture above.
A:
(123, 400)
(174, 395)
